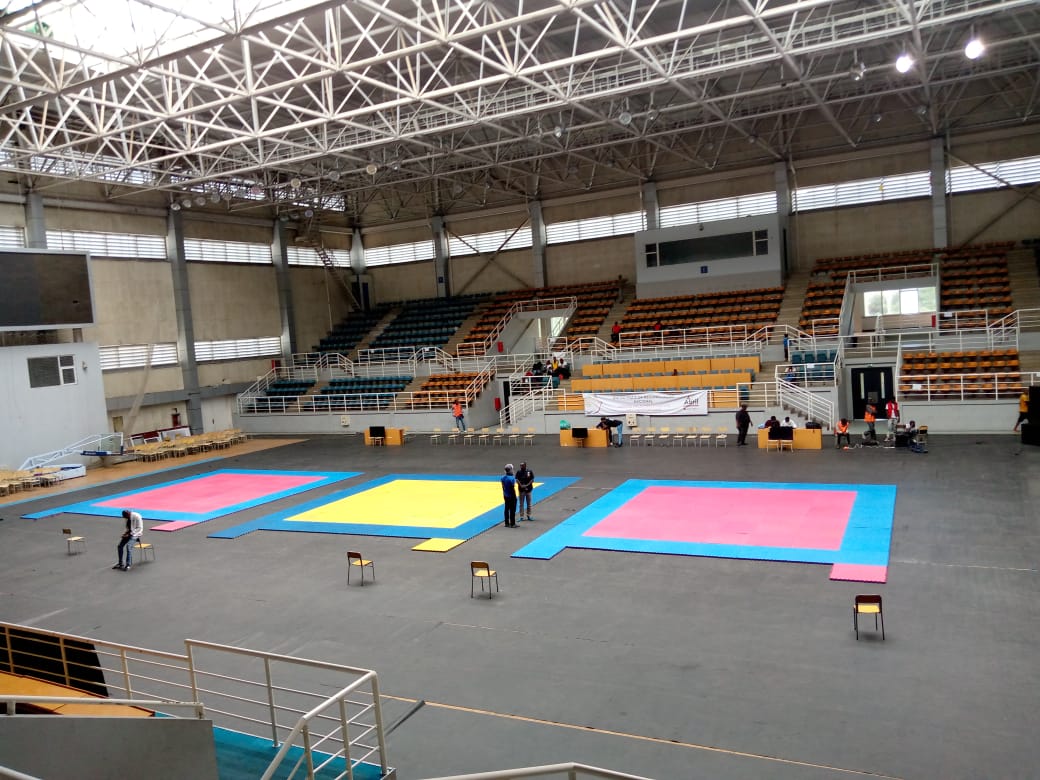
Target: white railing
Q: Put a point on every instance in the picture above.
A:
(967, 340)
(885, 273)
(264, 694)
(729, 337)
(810, 405)
(194, 709)
(567, 771)
(95, 445)
(474, 349)
(535, 401)
(965, 387)
(1018, 320)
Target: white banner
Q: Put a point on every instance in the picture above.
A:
(654, 404)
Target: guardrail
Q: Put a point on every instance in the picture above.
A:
(570, 771)
(965, 387)
(884, 273)
(731, 337)
(474, 349)
(810, 405)
(274, 699)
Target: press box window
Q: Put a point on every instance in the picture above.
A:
(52, 371)
(761, 242)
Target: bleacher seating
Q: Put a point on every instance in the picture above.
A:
(593, 304)
(427, 322)
(976, 374)
(289, 387)
(351, 331)
(754, 308)
(973, 278)
(441, 389)
(680, 374)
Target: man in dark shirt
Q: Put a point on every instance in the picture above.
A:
(525, 483)
(743, 423)
(611, 426)
(509, 496)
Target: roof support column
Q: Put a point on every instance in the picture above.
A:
(940, 216)
(539, 271)
(35, 223)
(651, 209)
(280, 258)
(783, 212)
(440, 257)
(185, 323)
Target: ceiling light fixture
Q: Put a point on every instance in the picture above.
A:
(186, 202)
(295, 182)
(333, 175)
(558, 131)
(308, 213)
(904, 62)
(175, 206)
(876, 119)
(974, 48)
(625, 118)
(652, 115)
(200, 200)
(921, 109)
(858, 71)
(214, 197)
(371, 169)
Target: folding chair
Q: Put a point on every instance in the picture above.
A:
(355, 559)
(144, 548)
(480, 570)
(868, 605)
(435, 437)
(71, 540)
(722, 437)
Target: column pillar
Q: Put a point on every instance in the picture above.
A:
(651, 210)
(185, 323)
(782, 185)
(940, 216)
(280, 258)
(35, 223)
(538, 243)
(440, 257)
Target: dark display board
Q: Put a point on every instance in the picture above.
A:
(41, 290)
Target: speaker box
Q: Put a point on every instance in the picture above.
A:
(1030, 433)
(1034, 402)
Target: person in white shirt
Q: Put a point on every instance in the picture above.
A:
(134, 529)
(788, 423)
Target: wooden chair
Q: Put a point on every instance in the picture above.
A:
(498, 437)
(435, 437)
(514, 435)
(705, 436)
(71, 540)
(469, 436)
(480, 570)
(144, 548)
(722, 436)
(869, 604)
(529, 437)
(355, 559)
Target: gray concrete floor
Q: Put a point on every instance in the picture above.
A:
(663, 666)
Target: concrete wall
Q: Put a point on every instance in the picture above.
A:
(67, 748)
(41, 419)
(709, 275)
(879, 227)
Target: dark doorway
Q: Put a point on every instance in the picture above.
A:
(872, 384)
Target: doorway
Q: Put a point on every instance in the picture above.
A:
(873, 384)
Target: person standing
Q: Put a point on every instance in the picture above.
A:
(509, 496)
(615, 333)
(743, 423)
(892, 413)
(456, 412)
(1023, 410)
(134, 529)
(525, 484)
(870, 417)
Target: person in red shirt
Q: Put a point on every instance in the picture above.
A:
(892, 413)
(615, 333)
(841, 430)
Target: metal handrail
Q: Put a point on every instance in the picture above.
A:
(8, 702)
(812, 406)
(474, 349)
(165, 672)
(570, 769)
(966, 387)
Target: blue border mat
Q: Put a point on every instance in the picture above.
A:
(91, 507)
(278, 521)
(867, 538)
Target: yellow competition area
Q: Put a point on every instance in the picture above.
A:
(443, 510)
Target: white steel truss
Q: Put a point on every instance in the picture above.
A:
(380, 110)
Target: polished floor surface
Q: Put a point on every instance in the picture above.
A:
(667, 666)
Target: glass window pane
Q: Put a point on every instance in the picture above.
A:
(908, 302)
(891, 301)
(926, 299)
(872, 304)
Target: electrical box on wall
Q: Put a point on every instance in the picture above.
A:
(344, 420)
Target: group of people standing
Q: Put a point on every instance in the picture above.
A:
(517, 487)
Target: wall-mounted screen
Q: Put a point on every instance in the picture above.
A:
(708, 248)
(41, 290)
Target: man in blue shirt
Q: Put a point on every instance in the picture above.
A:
(509, 496)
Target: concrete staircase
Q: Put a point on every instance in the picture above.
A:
(794, 297)
(373, 334)
(617, 311)
(464, 329)
(1025, 282)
